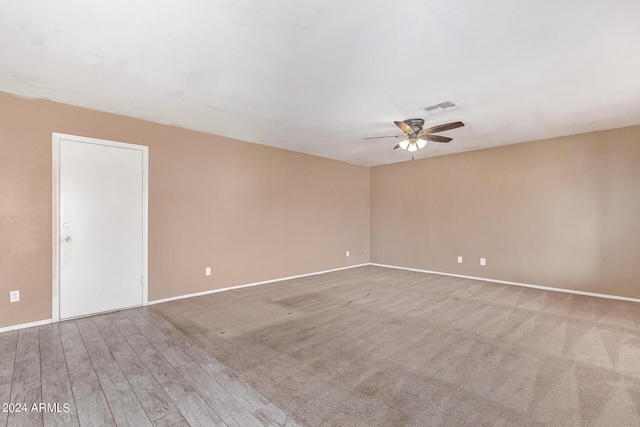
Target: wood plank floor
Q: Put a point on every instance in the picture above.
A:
(368, 346)
(129, 368)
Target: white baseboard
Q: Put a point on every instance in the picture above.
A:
(213, 291)
(526, 285)
(230, 288)
(25, 325)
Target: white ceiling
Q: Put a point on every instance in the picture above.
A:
(317, 77)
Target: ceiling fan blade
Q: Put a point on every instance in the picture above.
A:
(378, 137)
(436, 138)
(442, 128)
(397, 146)
(405, 127)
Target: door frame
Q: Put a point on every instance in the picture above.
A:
(55, 188)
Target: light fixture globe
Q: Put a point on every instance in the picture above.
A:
(404, 144)
(412, 146)
(421, 143)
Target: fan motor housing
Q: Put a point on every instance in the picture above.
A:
(415, 124)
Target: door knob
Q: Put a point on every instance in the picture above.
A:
(67, 239)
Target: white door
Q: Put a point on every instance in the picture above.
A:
(101, 227)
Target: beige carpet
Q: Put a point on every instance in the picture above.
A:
(373, 346)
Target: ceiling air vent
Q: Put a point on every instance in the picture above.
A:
(443, 107)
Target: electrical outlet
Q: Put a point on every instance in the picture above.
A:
(207, 271)
(460, 259)
(347, 253)
(483, 261)
(14, 296)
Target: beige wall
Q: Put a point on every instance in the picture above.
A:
(563, 212)
(250, 212)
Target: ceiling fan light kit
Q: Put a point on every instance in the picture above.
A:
(415, 137)
(413, 144)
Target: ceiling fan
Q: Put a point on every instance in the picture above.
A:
(415, 138)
